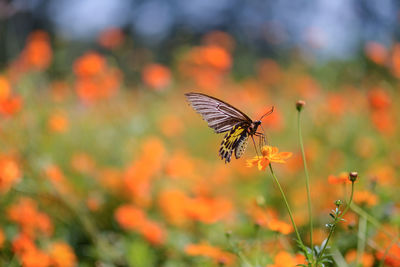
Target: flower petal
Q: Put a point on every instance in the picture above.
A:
(252, 162)
(285, 155)
(262, 164)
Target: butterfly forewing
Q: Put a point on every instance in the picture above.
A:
(219, 115)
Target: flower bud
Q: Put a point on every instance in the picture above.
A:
(300, 104)
(338, 203)
(353, 176)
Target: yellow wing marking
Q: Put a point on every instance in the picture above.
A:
(229, 143)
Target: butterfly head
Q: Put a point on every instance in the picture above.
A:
(254, 126)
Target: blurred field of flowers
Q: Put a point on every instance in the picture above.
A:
(103, 163)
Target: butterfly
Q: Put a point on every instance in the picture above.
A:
(222, 117)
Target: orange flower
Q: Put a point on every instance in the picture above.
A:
(62, 255)
(268, 218)
(217, 57)
(56, 177)
(396, 60)
(37, 52)
(392, 257)
(11, 105)
(350, 219)
(383, 174)
(22, 244)
(26, 214)
(111, 38)
(83, 163)
(279, 226)
(219, 38)
(89, 64)
(111, 179)
(384, 122)
(342, 178)
(138, 176)
(5, 88)
(365, 198)
(35, 258)
(379, 99)
(336, 104)
(94, 202)
(44, 223)
(173, 206)
(87, 90)
(180, 165)
(206, 66)
(269, 154)
(209, 210)
(153, 232)
(58, 123)
(9, 173)
(2, 238)
(130, 217)
(284, 259)
(211, 252)
(96, 80)
(27, 252)
(376, 52)
(367, 259)
(156, 76)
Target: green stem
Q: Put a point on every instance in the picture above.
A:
(303, 155)
(362, 229)
(338, 258)
(337, 219)
(288, 209)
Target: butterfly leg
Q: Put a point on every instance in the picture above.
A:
(261, 140)
(254, 143)
(261, 136)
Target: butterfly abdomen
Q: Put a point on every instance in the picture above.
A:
(241, 146)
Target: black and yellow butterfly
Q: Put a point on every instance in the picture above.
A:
(223, 117)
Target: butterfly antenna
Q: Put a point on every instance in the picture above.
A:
(269, 112)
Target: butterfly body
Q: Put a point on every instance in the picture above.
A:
(222, 117)
(241, 146)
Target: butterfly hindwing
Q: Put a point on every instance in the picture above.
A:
(234, 140)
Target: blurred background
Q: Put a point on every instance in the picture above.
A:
(103, 162)
(329, 30)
